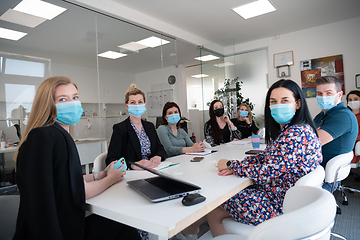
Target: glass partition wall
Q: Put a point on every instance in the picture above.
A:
(101, 54)
(213, 77)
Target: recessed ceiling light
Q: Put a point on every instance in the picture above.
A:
(11, 34)
(153, 42)
(112, 55)
(225, 64)
(39, 8)
(254, 9)
(207, 58)
(199, 76)
(133, 46)
(21, 18)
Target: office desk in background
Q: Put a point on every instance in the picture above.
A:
(89, 149)
(2, 160)
(165, 219)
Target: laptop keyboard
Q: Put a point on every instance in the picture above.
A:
(167, 185)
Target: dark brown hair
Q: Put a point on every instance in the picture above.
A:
(213, 123)
(166, 107)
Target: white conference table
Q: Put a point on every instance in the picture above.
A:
(165, 219)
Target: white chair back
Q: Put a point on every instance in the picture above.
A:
(308, 211)
(99, 163)
(357, 149)
(9, 207)
(315, 178)
(338, 167)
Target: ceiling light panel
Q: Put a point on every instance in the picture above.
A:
(21, 18)
(112, 55)
(199, 76)
(39, 8)
(225, 64)
(153, 42)
(133, 46)
(207, 58)
(254, 9)
(11, 34)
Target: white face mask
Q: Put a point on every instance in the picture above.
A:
(354, 105)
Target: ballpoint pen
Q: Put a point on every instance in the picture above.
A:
(171, 164)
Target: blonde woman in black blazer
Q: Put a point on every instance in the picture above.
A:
(125, 141)
(49, 175)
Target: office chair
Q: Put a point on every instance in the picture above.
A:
(336, 170)
(9, 207)
(357, 153)
(309, 213)
(313, 179)
(99, 163)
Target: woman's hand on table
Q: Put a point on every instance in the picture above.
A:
(226, 172)
(221, 165)
(198, 147)
(155, 161)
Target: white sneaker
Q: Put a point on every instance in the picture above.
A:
(181, 236)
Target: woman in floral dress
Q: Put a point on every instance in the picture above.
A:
(293, 150)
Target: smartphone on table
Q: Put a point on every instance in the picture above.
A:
(196, 159)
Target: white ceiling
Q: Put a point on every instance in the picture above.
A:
(69, 38)
(214, 20)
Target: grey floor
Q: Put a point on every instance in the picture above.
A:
(347, 223)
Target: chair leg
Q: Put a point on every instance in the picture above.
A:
(338, 209)
(337, 236)
(344, 197)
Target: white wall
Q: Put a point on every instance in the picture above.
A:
(327, 40)
(113, 85)
(156, 80)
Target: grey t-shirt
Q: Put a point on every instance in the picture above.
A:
(173, 144)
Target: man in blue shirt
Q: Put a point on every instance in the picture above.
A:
(336, 124)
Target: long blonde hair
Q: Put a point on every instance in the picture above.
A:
(248, 109)
(43, 112)
(133, 90)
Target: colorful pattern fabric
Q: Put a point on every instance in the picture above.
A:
(296, 152)
(144, 140)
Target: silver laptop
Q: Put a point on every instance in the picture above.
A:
(162, 187)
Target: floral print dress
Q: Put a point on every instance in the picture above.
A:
(296, 152)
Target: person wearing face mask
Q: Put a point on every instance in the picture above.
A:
(293, 150)
(135, 139)
(174, 139)
(219, 129)
(353, 101)
(336, 124)
(244, 121)
(49, 175)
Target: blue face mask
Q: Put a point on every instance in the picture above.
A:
(326, 103)
(174, 118)
(69, 113)
(244, 113)
(282, 113)
(137, 110)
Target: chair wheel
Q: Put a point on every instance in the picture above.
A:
(345, 202)
(338, 210)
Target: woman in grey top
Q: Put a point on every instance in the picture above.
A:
(174, 139)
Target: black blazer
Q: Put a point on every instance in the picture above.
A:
(52, 194)
(125, 143)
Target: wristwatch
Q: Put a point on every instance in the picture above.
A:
(228, 163)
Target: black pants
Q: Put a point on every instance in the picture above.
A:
(97, 227)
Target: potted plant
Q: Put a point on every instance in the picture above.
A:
(230, 95)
